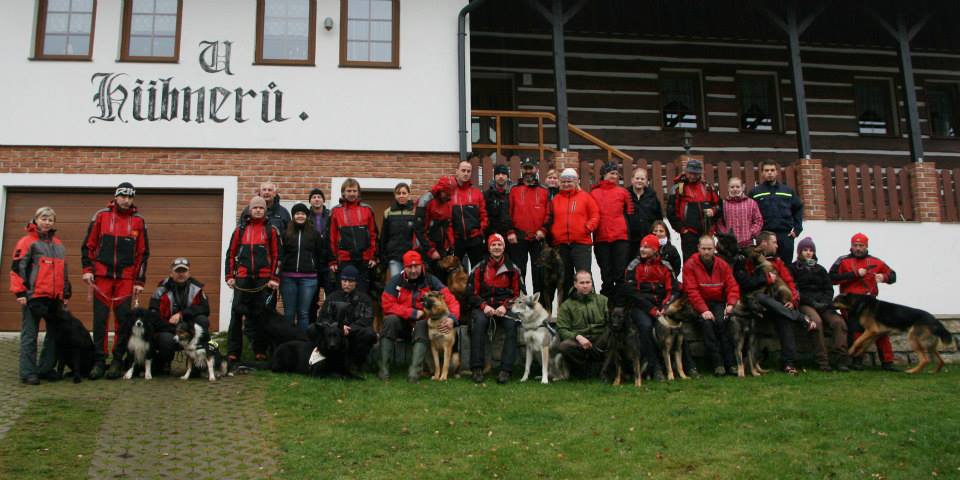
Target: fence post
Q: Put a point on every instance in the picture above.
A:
(925, 187)
(563, 160)
(810, 187)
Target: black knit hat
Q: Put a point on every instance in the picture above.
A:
(300, 208)
(607, 168)
(316, 191)
(501, 168)
(125, 188)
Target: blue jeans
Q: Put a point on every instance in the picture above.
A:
(297, 299)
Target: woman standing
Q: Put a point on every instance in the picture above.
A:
(397, 235)
(741, 215)
(38, 278)
(298, 271)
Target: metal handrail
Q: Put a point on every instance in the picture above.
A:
(540, 117)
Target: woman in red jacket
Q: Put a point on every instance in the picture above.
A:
(611, 241)
(575, 217)
(38, 278)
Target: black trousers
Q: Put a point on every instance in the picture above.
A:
(644, 324)
(519, 252)
(359, 343)
(479, 328)
(717, 343)
(395, 327)
(612, 258)
(470, 249)
(783, 320)
(688, 245)
(785, 247)
(574, 257)
(242, 319)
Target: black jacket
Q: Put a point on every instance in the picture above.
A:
(813, 283)
(498, 209)
(670, 255)
(354, 309)
(780, 206)
(646, 209)
(397, 232)
(277, 215)
(302, 251)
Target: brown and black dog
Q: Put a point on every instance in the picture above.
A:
(877, 317)
(436, 310)
(551, 270)
(623, 347)
(669, 333)
(456, 276)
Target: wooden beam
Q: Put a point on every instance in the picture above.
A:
(574, 10)
(535, 4)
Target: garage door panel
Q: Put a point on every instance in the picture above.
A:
(179, 224)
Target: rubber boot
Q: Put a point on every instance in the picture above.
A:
(416, 364)
(115, 370)
(97, 372)
(386, 353)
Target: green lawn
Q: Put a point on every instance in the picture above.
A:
(857, 425)
(53, 438)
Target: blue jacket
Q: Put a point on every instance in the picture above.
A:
(780, 206)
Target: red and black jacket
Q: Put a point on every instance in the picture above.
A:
(844, 273)
(434, 220)
(686, 205)
(494, 283)
(39, 268)
(397, 235)
(529, 210)
(170, 299)
(653, 281)
(701, 286)
(469, 212)
(615, 204)
(353, 232)
(575, 217)
(116, 245)
(402, 296)
(751, 278)
(254, 251)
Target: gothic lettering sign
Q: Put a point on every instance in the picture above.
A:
(120, 97)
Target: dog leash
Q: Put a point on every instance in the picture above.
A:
(93, 287)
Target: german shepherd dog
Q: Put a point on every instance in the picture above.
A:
(201, 353)
(877, 317)
(456, 276)
(623, 347)
(742, 322)
(538, 337)
(551, 270)
(138, 329)
(75, 348)
(669, 332)
(436, 309)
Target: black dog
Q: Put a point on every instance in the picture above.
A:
(75, 348)
(623, 346)
(276, 330)
(551, 270)
(326, 338)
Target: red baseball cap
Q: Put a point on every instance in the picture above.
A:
(860, 238)
(412, 258)
(651, 241)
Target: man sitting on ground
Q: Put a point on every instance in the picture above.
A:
(581, 321)
(354, 310)
(176, 296)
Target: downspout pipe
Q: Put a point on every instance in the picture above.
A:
(461, 71)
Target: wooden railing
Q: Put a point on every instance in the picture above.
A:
(497, 146)
(950, 189)
(868, 192)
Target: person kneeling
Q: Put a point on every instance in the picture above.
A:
(351, 310)
(581, 322)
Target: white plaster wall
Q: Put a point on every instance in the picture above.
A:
(413, 108)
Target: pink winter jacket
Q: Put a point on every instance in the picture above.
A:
(741, 216)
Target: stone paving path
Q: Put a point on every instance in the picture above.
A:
(165, 427)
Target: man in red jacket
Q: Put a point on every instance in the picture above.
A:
(611, 240)
(530, 215)
(692, 208)
(353, 234)
(712, 291)
(860, 273)
(575, 218)
(252, 269)
(469, 215)
(402, 302)
(114, 257)
(493, 286)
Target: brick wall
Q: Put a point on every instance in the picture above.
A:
(294, 172)
(925, 184)
(811, 189)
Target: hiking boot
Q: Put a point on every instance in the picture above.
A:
(857, 364)
(719, 371)
(416, 364)
(97, 372)
(115, 370)
(503, 378)
(386, 354)
(888, 367)
(658, 376)
(31, 380)
(477, 376)
(842, 368)
(692, 372)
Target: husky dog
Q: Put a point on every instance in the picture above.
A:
(538, 336)
(201, 352)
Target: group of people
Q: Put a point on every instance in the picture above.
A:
(323, 261)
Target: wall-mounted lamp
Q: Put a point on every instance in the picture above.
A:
(328, 23)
